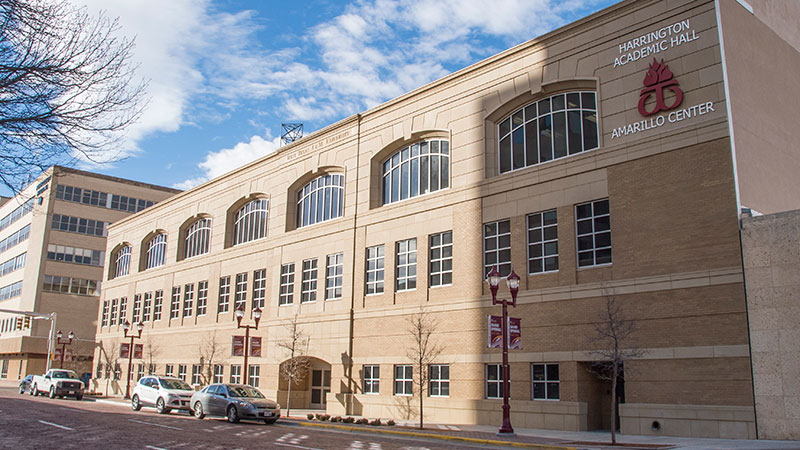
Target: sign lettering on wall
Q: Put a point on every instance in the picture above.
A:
(654, 42)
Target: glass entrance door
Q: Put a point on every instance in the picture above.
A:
(320, 386)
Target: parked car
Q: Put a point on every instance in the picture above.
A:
(235, 402)
(25, 384)
(165, 393)
(58, 383)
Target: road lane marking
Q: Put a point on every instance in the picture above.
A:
(73, 410)
(57, 425)
(154, 424)
(296, 446)
(154, 448)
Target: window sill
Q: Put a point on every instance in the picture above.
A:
(542, 273)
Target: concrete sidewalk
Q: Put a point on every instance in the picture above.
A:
(525, 437)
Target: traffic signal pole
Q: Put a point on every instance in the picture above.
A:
(50, 336)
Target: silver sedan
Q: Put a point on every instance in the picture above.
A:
(234, 402)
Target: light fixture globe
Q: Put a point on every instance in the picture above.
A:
(240, 312)
(139, 327)
(257, 313)
(493, 277)
(512, 281)
(126, 326)
(58, 334)
(71, 335)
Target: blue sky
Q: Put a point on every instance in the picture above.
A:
(224, 74)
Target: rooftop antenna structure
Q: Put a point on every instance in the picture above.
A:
(291, 132)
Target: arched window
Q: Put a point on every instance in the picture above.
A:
(320, 200)
(198, 238)
(415, 170)
(156, 251)
(122, 263)
(551, 128)
(250, 222)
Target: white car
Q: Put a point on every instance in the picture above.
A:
(165, 393)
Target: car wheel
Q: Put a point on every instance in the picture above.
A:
(33, 390)
(270, 421)
(52, 392)
(233, 414)
(21, 390)
(135, 405)
(198, 410)
(161, 407)
(79, 397)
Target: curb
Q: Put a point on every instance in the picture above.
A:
(438, 436)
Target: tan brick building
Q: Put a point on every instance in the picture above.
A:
(601, 159)
(52, 251)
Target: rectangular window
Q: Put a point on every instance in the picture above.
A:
(259, 288)
(375, 270)
(240, 294)
(188, 299)
(169, 370)
(287, 284)
(441, 259)
(75, 255)
(439, 384)
(236, 374)
(224, 294)
(4, 370)
(593, 227)
(372, 379)
(333, 276)
(137, 307)
(255, 372)
(403, 380)
(151, 369)
(497, 247)
(104, 316)
(114, 312)
(90, 227)
(139, 371)
(157, 305)
(197, 373)
(117, 371)
(218, 368)
(308, 291)
(99, 373)
(123, 311)
(545, 381)
(406, 267)
(542, 242)
(175, 304)
(202, 297)
(148, 304)
(182, 371)
(494, 381)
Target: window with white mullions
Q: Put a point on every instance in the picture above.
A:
(156, 251)
(550, 128)
(497, 247)
(137, 308)
(286, 296)
(218, 373)
(148, 303)
(122, 263)
(175, 304)
(406, 264)
(254, 375)
(104, 315)
(374, 284)
(441, 259)
(494, 381)
(403, 380)
(372, 379)
(259, 288)
(542, 242)
(333, 276)
(123, 311)
(250, 221)
(593, 227)
(113, 312)
(158, 302)
(202, 298)
(240, 291)
(188, 299)
(416, 170)
(544, 378)
(198, 238)
(309, 283)
(320, 200)
(236, 374)
(439, 380)
(224, 294)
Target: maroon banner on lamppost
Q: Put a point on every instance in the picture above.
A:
(237, 348)
(255, 346)
(124, 350)
(514, 333)
(138, 349)
(495, 332)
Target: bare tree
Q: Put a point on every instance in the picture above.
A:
(210, 351)
(423, 352)
(613, 332)
(296, 367)
(109, 355)
(151, 351)
(67, 87)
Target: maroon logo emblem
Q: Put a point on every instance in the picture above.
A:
(657, 79)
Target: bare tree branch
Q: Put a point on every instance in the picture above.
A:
(423, 352)
(68, 89)
(210, 351)
(297, 366)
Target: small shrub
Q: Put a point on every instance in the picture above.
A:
(336, 419)
(319, 416)
(310, 416)
(362, 421)
(375, 422)
(348, 420)
(325, 417)
(390, 423)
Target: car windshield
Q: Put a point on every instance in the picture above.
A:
(175, 384)
(244, 391)
(64, 374)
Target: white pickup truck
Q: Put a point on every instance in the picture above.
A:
(57, 383)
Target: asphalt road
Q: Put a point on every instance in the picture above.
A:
(41, 423)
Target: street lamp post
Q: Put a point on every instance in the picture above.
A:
(64, 344)
(257, 318)
(493, 278)
(127, 326)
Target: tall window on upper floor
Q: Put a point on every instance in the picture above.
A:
(250, 222)
(122, 263)
(198, 238)
(551, 128)
(415, 170)
(320, 200)
(156, 250)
